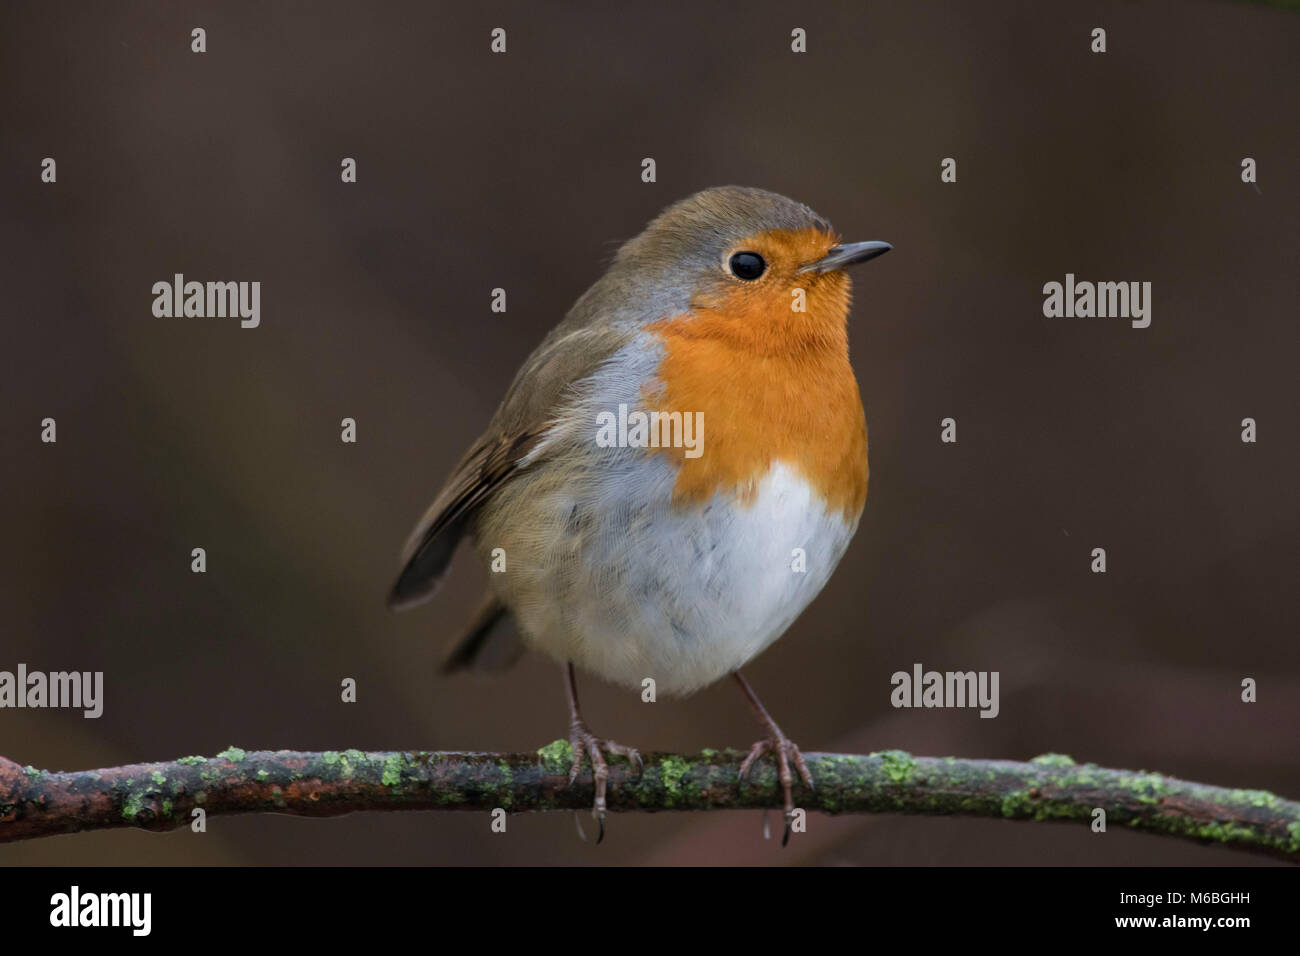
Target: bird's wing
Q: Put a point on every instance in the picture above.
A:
(539, 395)
(489, 463)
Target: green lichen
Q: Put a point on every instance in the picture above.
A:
(1255, 798)
(899, 765)
(167, 808)
(1148, 788)
(1029, 803)
(262, 775)
(671, 771)
(838, 777)
(1225, 832)
(347, 761)
(233, 754)
(1054, 760)
(32, 771)
(132, 806)
(191, 761)
(159, 778)
(392, 776)
(708, 753)
(557, 756)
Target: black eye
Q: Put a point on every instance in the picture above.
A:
(747, 265)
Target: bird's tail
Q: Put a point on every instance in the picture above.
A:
(490, 642)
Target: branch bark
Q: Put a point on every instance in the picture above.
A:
(162, 796)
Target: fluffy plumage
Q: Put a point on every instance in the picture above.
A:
(639, 563)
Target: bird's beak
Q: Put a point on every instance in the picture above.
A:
(847, 255)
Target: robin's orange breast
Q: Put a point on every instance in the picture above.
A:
(774, 386)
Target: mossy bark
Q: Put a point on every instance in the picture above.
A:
(162, 796)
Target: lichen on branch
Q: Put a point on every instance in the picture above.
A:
(163, 796)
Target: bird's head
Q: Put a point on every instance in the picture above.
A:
(752, 267)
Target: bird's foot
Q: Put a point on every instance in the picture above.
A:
(786, 754)
(584, 742)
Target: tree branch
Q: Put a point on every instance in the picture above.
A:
(162, 796)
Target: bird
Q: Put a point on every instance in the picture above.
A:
(678, 550)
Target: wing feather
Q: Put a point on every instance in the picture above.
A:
(486, 466)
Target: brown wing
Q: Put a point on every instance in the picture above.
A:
(568, 354)
(483, 469)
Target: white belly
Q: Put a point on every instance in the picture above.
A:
(683, 596)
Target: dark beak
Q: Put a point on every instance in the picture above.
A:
(847, 255)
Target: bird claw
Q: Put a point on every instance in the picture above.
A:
(585, 743)
(786, 753)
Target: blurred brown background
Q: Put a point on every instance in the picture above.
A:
(522, 171)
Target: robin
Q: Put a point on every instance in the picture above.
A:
(675, 471)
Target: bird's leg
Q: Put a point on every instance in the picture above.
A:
(584, 741)
(781, 747)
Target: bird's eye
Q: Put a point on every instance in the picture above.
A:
(747, 265)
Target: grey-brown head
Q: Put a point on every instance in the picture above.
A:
(725, 235)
